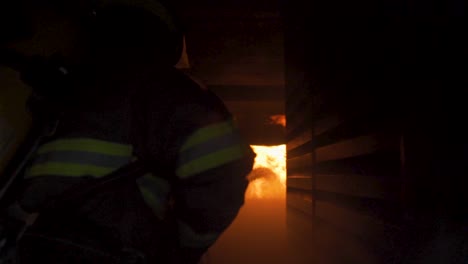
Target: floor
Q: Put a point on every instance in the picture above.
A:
(258, 235)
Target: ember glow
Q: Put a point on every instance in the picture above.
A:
(268, 178)
(278, 120)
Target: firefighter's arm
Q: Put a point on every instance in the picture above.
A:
(212, 167)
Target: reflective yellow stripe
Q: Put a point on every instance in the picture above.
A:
(155, 192)
(207, 133)
(210, 161)
(151, 201)
(67, 169)
(88, 145)
(208, 147)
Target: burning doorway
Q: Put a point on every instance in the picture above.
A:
(268, 178)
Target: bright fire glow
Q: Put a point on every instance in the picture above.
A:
(268, 178)
(278, 120)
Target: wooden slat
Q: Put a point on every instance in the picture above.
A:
(385, 164)
(300, 182)
(359, 185)
(363, 226)
(335, 129)
(301, 161)
(299, 140)
(302, 201)
(385, 210)
(305, 148)
(325, 124)
(301, 171)
(293, 132)
(354, 147)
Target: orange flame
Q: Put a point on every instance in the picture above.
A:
(268, 178)
(278, 120)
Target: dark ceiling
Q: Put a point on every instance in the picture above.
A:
(234, 43)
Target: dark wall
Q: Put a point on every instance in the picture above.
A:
(376, 142)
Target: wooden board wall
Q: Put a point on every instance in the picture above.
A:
(365, 90)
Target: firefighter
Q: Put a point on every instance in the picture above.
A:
(127, 102)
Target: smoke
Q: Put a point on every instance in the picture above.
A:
(264, 183)
(262, 173)
(268, 178)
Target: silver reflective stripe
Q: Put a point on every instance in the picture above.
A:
(76, 157)
(211, 146)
